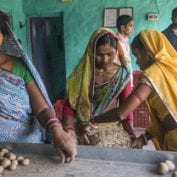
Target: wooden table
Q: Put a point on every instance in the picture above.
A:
(90, 162)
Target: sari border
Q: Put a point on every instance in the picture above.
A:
(164, 100)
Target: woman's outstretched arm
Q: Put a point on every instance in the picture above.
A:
(64, 143)
(140, 93)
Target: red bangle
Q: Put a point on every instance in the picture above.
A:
(70, 128)
(52, 122)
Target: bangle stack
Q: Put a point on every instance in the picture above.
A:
(51, 123)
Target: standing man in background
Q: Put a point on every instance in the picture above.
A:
(171, 31)
(125, 26)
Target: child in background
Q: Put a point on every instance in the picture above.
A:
(125, 26)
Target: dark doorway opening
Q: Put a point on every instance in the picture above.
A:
(47, 45)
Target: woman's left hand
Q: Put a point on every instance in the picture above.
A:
(64, 143)
(89, 134)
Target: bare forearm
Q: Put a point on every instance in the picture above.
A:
(127, 106)
(40, 107)
(110, 116)
(120, 113)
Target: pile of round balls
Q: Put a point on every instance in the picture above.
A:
(167, 166)
(10, 161)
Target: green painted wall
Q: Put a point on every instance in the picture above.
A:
(82, 17)
(15, 8)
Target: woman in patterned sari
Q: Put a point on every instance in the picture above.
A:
(24, 103)
(95, 86)
(158, 60)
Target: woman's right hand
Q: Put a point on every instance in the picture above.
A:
(138, 142)
(64, 143)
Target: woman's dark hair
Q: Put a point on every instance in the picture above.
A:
(137, 43)
(174, 12)
(123, 20)
(4, 19)
(107, 38)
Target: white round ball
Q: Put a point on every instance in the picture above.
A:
(163, 168)
(12, 167)
(10, 156)
(170, 164)
(25, 162)
(5, 150)
(14, 162)
(5, 163)
(20, 158)
(2, 154)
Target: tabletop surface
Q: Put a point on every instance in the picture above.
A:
(90, 162)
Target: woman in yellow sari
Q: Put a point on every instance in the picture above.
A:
(97, 82)
(158, 60)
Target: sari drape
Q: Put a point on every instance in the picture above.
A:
(19, 126)
(162, 75)
(17, 121)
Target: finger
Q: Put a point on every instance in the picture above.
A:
(134, 144)
(86, 139)
(68, 160)
(71, 158)
(61, 154)
(135, 147)
(94, 132)
(88, 129)
(94, 126)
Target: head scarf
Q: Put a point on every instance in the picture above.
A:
(81, 81)
(162, 74)
(12, 47)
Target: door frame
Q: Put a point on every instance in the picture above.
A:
(57, 15)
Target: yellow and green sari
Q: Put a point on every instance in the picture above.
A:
(81, 83)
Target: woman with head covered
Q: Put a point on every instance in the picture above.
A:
(24, 102)
(95, 85)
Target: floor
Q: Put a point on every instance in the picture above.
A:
(138, 132)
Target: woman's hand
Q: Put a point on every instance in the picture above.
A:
(91, 129)
(89, 134)
(64, 143)
(138, 142)
(128, 128)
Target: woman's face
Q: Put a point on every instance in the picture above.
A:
(143, 59)
(105, 55)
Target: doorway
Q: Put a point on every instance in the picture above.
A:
(48, 56)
